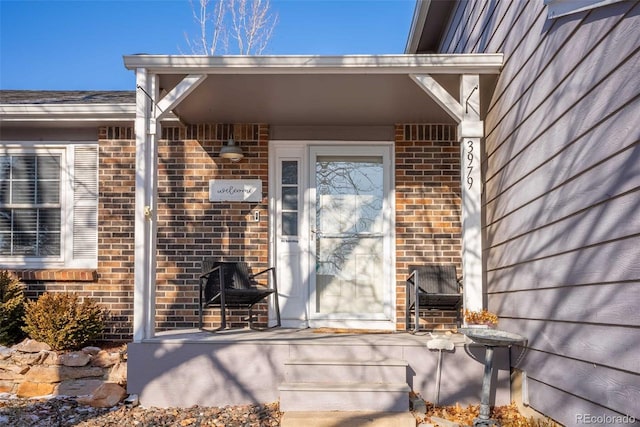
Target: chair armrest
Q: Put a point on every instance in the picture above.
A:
(411, 276)
(203, 275)
(411, 279)
(273, 276)
(262, 272)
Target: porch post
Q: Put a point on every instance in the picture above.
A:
(470, 132)
(466, 112)
(147, 129)
(144, 252)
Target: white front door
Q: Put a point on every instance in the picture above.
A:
(333, 235)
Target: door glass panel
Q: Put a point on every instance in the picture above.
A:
(289, 197)
(290, 172)
(289, 223)
(349, 234)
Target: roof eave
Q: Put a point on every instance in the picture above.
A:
(70, 113)
(428, 26)
(349, 64)
(417, 24)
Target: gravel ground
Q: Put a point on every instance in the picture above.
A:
(66, 412)
(62, 412)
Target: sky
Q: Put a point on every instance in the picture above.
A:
(79, 45)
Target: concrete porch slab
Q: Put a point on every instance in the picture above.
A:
(190, 367)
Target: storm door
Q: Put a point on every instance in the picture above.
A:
(350, 235)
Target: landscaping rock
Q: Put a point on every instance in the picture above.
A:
(118, 374)
(31, 389)
(31, 346)
(417, 404)
(105, 396)
(76, 358)
(105, 359)
(29, 370)
(79, 387)
(52, 359)
(22, 358)
(55, 374)
(91, 350)
(5, 352)
(7, 375)
(6, 386)
(12, 367)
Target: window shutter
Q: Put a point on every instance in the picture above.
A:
(85, 203)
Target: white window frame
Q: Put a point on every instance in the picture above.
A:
(558, 8)
(66, 259)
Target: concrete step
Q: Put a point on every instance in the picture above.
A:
(344, 396)
(349, 348)
(348, 419)
(365, 371)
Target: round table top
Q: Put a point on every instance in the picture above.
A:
(492, 337)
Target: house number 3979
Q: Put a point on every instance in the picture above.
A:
(470, 164)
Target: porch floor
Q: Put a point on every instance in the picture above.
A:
(275, 336)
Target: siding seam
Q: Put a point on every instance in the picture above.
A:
(569, 75)
(593, 245)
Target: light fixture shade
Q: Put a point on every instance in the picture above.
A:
(231, 151)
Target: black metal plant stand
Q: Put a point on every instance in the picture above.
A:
(490, 338)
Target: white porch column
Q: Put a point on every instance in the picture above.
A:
(144, 268)
(147, 129)
(466, 112)
(470, 132)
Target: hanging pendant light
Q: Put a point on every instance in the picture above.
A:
(231, 151)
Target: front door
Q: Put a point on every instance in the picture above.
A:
(334, 236)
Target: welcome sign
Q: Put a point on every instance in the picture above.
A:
(235, 190)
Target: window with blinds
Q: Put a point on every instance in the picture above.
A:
(49, 206)
(30, 205)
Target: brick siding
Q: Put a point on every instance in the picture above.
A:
(191, 228)
(428, 207)
(112, 284)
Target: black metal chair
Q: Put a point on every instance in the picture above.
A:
(432, 287)
(226, 284)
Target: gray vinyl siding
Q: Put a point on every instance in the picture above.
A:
(561, 197)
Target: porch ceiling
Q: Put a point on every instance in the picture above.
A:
(312, 90)
(294, 100)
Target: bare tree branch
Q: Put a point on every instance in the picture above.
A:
(249, 22)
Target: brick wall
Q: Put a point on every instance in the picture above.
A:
(111, 285)
(114, 289)
(428, 206)
(191, 228)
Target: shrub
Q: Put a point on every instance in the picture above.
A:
(62, 321)
(11, 309)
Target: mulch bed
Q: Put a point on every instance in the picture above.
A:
(65, 411)
(507, 416)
